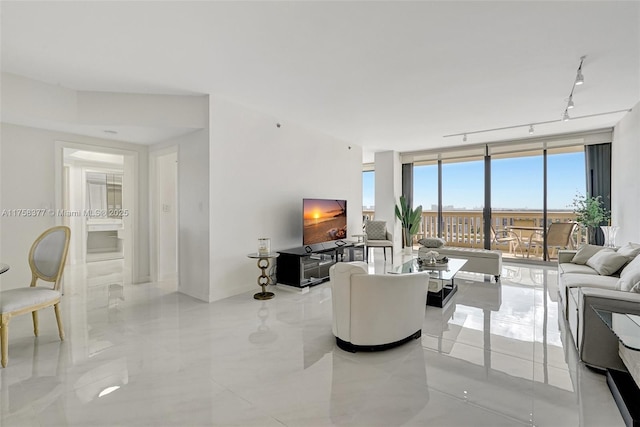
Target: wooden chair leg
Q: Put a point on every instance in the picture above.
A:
(59, 320)
(4, 340)
(34, 315)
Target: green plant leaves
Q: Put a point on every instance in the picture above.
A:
(410, 218)
(590, 211)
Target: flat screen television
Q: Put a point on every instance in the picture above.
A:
(323, 220)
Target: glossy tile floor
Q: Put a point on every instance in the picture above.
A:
(146, 355)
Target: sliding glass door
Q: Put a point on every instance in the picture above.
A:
(425, 193)
(462, 201)
(517, 199)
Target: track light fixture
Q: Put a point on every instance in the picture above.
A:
(579, 76)
(565, 117)
(570, 104)
(578, 81)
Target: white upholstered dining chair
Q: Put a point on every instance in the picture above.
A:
(377, 236)
(46, 259)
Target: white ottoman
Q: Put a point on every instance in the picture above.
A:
(478, 260)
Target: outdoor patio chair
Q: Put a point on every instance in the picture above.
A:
(506, 237)
(559, 236)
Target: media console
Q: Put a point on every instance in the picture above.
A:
(309, 265)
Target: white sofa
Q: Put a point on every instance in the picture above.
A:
(375, 311)
(585, 283)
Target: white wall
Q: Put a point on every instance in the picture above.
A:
(27, 171)
(625, 186)
(193, 212)
(167, 215)
(259, 174)
(388, 188)
(193, 196)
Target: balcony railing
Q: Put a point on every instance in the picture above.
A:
(463, 228)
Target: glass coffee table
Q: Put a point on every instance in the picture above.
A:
(441, 285)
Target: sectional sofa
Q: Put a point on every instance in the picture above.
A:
(597, 277)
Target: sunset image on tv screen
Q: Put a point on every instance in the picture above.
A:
(324, 220)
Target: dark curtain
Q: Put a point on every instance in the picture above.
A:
(598, 168)
(407, 183)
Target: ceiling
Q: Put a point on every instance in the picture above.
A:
(386, 75)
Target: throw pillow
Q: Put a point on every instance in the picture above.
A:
(630, 250)
(630, 276)
(376, 230)
(606, 262)
(432, 242)
(584, 253)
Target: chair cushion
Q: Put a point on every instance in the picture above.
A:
(606, 262)
(17, 299)
(379, 243)
(578, 280)
(567, 267)
(376, 230)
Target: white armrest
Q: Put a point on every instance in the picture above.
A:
(565, 255)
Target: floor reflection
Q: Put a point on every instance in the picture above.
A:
(497, 354)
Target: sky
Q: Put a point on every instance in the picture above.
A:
(516, 183)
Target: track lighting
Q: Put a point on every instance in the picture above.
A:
(578, 81)
(570, 104)
(564, 117)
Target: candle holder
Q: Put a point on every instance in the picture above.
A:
(264, 246)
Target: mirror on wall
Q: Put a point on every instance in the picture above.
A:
(104, 194)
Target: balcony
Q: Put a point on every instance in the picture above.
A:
(463, 228)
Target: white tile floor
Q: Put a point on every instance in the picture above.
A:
(146, 355)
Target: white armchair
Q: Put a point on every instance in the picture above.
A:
(374, 312)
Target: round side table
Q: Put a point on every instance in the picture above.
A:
(264, 261)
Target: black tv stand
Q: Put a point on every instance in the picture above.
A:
(309, 265)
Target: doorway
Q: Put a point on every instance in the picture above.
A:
(95, 197)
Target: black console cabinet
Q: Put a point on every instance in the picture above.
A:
(309, 265)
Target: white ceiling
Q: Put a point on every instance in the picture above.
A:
(385, 75)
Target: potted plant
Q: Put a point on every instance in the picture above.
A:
(410, 219)
(590, 213)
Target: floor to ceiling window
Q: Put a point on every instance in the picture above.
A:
(565, 180)
(368, 194)
(462, 201)
(425, 193)
(531, 185)
(517, 200)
